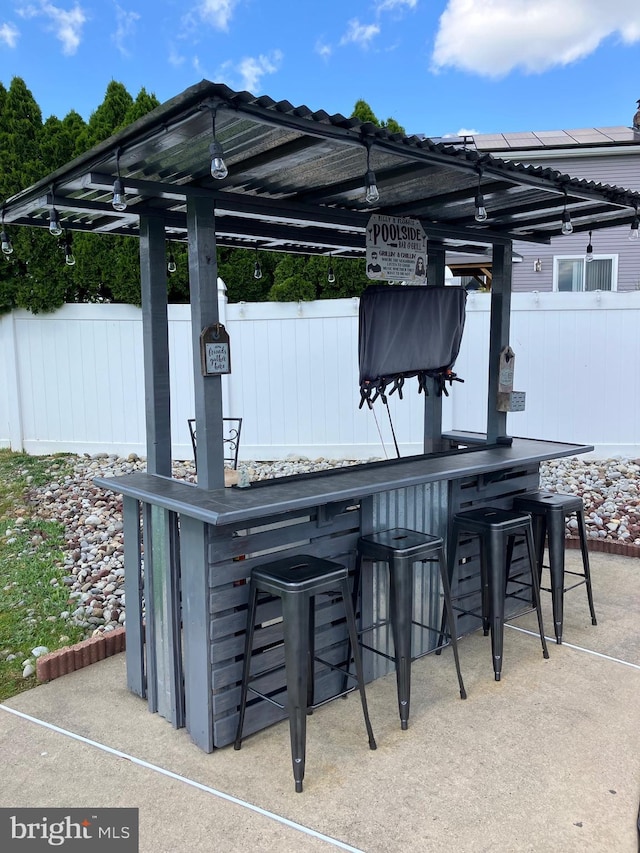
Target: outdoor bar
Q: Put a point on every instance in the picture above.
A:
(293, 180)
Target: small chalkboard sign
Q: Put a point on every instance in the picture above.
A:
(215, 354)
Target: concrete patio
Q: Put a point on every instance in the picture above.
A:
(546, 759)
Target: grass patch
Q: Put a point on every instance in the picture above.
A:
(32, 593)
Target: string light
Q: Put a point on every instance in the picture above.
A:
(331, 276)
(371, 188)
(69, 258)
(257, 269)
(119, 201)
(5, 240)
(567, 225)
(481, 210)
(635, 225)
(55, 229)
(218, 167)
(589, 255)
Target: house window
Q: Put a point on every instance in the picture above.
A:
(571, 274)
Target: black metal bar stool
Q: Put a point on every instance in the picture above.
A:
(496, 529)
(400, 549)
(549, 512)
(296, 580)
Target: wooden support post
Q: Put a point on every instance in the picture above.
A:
(498, 338)
(155, 337)
(203, 289)
(433, 403)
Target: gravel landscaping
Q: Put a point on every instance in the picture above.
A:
(93, 558)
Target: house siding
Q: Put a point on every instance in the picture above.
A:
(610, 166)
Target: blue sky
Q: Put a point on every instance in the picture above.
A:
(437, 66)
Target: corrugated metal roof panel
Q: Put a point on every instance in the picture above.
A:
(296, 179)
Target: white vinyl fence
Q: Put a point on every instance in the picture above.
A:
(73, 380)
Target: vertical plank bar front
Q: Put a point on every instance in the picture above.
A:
(196, 632)
(133, 590)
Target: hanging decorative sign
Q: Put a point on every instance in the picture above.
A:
(215, 355)
(507, 369)
(396, 249)
(508, 399)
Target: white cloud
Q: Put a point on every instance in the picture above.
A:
(66, 25)
(360, 34)
(322, 49)
(497, 36)
(248, 73)
(9, 35)
(126, 26)
(395, 5)
(176, 59)
(218, 13)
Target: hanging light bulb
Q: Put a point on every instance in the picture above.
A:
(171, 263)
(331, 276)
(370, 185)
(119, 201)
(5, 242)
(218, 167)
(257, 269)
(635, 225)
(567, 225)
(589, 255)
(55, 228)
(69, 259)
(481, 211)
(371, 188)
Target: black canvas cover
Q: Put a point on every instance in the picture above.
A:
(408, 330)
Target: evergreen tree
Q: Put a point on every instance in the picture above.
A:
(58, 140)
(363, 111)
(142, 105)
(21, 124)
(109, 117)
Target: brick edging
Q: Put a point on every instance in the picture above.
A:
(70, 658)
(605, 546)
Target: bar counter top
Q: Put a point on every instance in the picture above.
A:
(272, 497)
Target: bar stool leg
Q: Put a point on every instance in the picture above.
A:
(448, 611)
(311, 665)
(357, 659)
(582, 530)
(536, 587)
(401, 606)
(496, 558)
(246, 666)
(452, 549)
(295, 615)
(556, 535)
